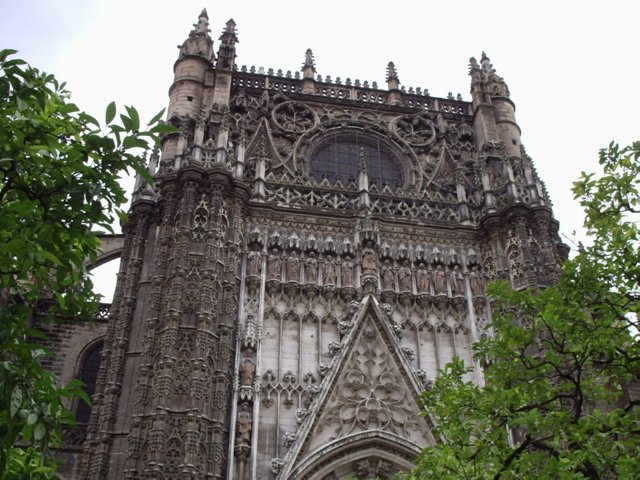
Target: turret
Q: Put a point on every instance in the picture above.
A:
(494, 112)
(194, 61)
(186, 94)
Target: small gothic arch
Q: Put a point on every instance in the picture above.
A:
(87, 369)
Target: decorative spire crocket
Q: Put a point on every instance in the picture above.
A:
(199, 42)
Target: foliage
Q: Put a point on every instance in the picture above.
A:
(59, 174)
(555, 403)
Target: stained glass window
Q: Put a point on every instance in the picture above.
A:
(338, 156)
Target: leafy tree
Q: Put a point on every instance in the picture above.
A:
(556, 403)
(59, 185)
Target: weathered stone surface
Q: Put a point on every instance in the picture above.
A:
(238, 344)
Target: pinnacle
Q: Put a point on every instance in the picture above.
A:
(362, 160)
(392, 73)
(309, 60)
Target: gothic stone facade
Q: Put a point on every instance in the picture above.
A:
(312, 252)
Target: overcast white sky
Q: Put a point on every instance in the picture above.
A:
(572, 66)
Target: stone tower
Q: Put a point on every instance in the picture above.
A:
(312, 252)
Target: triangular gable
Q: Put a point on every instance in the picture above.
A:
(444, 174)
(262, 145)
(370, 391)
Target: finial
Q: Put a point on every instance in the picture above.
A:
(393, 82)
(392, 73)
(486, 63)
(229, 35)
(309, 61)
(202, 27)
(199, 42)
(487, 77)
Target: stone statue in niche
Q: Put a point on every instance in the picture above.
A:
(293, 267)
(440, 281)
(275, 265)
(255, 261)
(496, 172)
(387, 276)
(369, 261)
(404, 277)
(247, 370)
(347, 272)
(456, 278)
(244, 425)
(329, 271)
(475, 282)
(311, 268)
(422, 279)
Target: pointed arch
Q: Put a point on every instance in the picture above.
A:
(376, 453)
(87, 370)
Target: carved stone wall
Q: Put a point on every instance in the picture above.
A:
(277, 319)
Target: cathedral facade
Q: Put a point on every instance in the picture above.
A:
(312, 252)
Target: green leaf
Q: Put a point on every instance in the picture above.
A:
(32, 418)
(39, 432)
(135, 118)
(164, 128)
(5, 53)
(110, 113)
(17, 398)
(156, 118)
(133, 142)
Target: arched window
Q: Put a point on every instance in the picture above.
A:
(338, 156)
(88, 375)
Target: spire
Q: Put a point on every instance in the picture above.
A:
(227, 50)
(229, 34)
(309, 61)
(393, 82)
(199, 42)
(308, 71)
(494, 84)
(309, 65)
(231, 27)
(203, 22)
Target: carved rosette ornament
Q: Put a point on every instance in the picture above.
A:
(416, 130)
(294, 117)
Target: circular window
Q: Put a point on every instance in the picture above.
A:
(338, 157)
